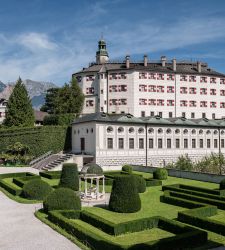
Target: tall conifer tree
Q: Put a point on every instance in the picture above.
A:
(19, 108)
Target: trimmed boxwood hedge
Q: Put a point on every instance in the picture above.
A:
(11, 189)
(20, 181)
(69, 177)
(124, 197)
(36, 189)
(188, 236)
(62, 199)
(127, 168)
(51, 174)
(160, 174)
(152, 182)
(222, 184)
(39, 139)
(140, 183)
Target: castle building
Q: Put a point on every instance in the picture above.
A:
(148, 88)
(150, 112)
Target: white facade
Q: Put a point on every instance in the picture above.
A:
(3, 104)
(117, 143)
(165, 88)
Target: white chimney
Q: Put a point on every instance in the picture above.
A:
(174, 64)
(145, 60)
(163, 61)
(127, 61)
(199, 67)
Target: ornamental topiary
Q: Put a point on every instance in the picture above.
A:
(94, 169)
(62, 199)
(222, 184)
(140, 183)
(127, 168)
(36, 189)
(69, 176)
(124, 197)
(160, 174)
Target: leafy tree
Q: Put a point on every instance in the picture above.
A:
(19, 107)
(184, 163)
(51, 99)
(68, 99)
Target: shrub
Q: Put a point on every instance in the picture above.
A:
(222, 184)
(36, 189)
(62, 199)
(94, 169)
(160, 174)
(152, 182)
(127, 168)
(184, 163)
(69, 176)
(124, 196)
(140, 183)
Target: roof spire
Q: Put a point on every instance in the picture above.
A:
(102, 54)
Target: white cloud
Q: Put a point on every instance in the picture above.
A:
(34, 41)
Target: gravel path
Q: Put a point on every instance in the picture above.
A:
(21, 230)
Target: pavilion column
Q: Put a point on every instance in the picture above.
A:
(103, 185)
(91, 182)
(97, 195)
(85, 186)
(79, 183)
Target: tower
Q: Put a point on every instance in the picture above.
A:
(102, 54)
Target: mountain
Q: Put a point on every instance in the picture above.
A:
(36, 90)
(2, 86)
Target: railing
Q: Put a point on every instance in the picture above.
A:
(40, 158)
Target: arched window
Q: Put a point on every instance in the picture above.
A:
(185, 131)
(215, 132)
(140, 130)
(120, 129)
(109, 129)
(168, 131)
(193, 131)
(177, 131)
(200, 132)
(222, 132)
(150, 130)
(160, 131)
(92, 130)
(208, 132)
(87, 130)
(131, 130)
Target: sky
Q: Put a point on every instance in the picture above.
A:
(49, 40)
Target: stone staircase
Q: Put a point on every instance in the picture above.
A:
(52, 161)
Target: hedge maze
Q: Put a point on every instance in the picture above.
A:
(203, 203)
(102, 234)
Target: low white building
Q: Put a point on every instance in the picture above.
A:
(114, 140)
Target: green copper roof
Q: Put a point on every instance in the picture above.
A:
(156, 120)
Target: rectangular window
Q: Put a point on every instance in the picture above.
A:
(222, 143)
(201, 143)
(141, 143)
(208, 143)
(185, 143)
(121, 143)
(193, 142)
(215, 143)
(160, 143)
(131, 143)
(170, 114)
(203, 115)
(168, 143)
(192, 115)
(101, 91)
(160, 114)
(183, 114)
(150, 143)
(142, 113)
(177, 143)
(213, 116)
(110, 143)
(152, 113)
